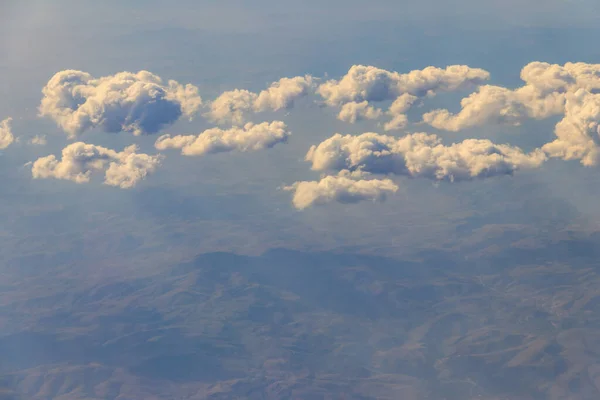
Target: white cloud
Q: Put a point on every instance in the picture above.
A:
(80, 161)
(248, 138)
(398, 111)
(578, 133)
(353, 111)
(368, 83)
(282, 94)
(340, 189)
(499, 105)
(38, 140)
(231, 106)
(542, 96)
(140, 103)
(548, 78)
(6, 136)
(420, 155)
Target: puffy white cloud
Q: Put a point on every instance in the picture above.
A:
(578, 133)
(398, 111)
(231, 106)
(38, 140)
(140, 103)
(548, 78)
(80, 161)
(420, 155)
(248, 138)
(368, 83)
(353, 111)
(543, 95)
(282, 94)
(499, 105)
(340, 189)
(6, 136)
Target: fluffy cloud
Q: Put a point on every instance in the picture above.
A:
(352, 112)
(6, 136)
(231, 106)
(420, 155)
(248, 138)
(80, 160)
(140, 103)
(340, 189)
(578, 133)
(548, 78)
(543, 95)
(398, 111)
(499, 105)
(282, 94)
(38, 140)
(368, 83)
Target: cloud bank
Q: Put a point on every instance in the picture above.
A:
(6, 136)
(139, 103)
(250, 137)
(80, 161)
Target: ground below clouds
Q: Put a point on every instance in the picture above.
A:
(521, 323)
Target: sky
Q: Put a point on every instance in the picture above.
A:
(219, 47)
(143, 132)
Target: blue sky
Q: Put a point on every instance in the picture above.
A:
(221, 46)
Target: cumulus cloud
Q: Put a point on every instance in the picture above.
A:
(80, 161)
(499, 105)
(38, 140)
(420, 155)
(548, 78)
(250, 137)
(282, 94)
(6, 136)
(543, 95)
(398, 111)
(140, 103)
(231, 106)
(368, 83)
(353, 111)
(578, 133)
(341, 189)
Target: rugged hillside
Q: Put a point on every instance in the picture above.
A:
(313, 326)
